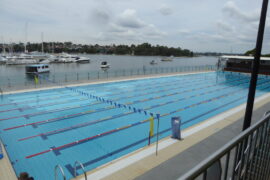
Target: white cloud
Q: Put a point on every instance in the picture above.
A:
(129, 19)
(235, 12)
(193, 24)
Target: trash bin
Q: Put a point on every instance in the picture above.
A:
(176, 133)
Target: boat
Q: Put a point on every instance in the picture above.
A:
(242, 64)
(82, 60)
(167, 58)
(68, 58)
(26, 58)
(37, 68)
(104, 64)
(153, 62)
(3, 59)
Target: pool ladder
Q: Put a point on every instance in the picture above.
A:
(75, 168)
(75, 171)
(61, 170)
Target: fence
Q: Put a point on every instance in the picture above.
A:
(246, 157)
(27, 82)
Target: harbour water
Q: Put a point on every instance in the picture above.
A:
(14, 75)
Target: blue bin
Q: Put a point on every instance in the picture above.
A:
(176, 122)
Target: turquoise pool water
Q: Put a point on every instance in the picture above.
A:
(41, 129)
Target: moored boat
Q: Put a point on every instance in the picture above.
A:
(104, 64)
(37, 68)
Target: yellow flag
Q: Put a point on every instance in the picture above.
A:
(151, 126)
(36, 79)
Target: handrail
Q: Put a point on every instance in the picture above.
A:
(201, 167)
(61, 170)
(75, 169)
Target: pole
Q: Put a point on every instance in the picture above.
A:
(158, 115)
(255, 68)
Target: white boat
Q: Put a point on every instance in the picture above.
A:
(23, 58)
(66, 58)
(167, 58)
(82, 60)
(37, 68)
(3, 59)
(153, 62)
(104, 64)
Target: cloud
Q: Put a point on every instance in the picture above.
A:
(100, 16)
(129, 19)
(165, 10)
(234, 12)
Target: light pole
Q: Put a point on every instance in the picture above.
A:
(255, 67)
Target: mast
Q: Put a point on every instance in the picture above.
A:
(3, 45)
(42, 47)
(25, 44)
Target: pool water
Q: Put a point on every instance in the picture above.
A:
(41, 129)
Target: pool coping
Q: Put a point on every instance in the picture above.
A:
(6, 169)
(142, 160)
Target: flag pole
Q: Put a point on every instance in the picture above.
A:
(158, 115)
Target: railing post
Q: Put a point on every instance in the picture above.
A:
(75, 169)
(61, 170)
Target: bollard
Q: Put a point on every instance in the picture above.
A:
(88, 75)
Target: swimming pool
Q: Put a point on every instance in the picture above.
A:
(44, 128)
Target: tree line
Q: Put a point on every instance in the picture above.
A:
(144, 49)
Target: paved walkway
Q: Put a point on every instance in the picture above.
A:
(181, 163)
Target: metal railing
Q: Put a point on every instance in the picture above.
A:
(82, 167)
(18, 83)
(61, 170)
(245, 157)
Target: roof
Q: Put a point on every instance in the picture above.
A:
(37, 65)
(245, 57)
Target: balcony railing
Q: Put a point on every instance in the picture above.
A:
(245, 157)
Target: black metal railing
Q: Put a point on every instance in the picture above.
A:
(245, 157)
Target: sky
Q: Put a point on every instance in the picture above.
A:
(199, 25)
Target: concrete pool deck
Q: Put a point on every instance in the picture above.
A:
(149, 166)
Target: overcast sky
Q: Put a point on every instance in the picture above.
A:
(198, 25)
